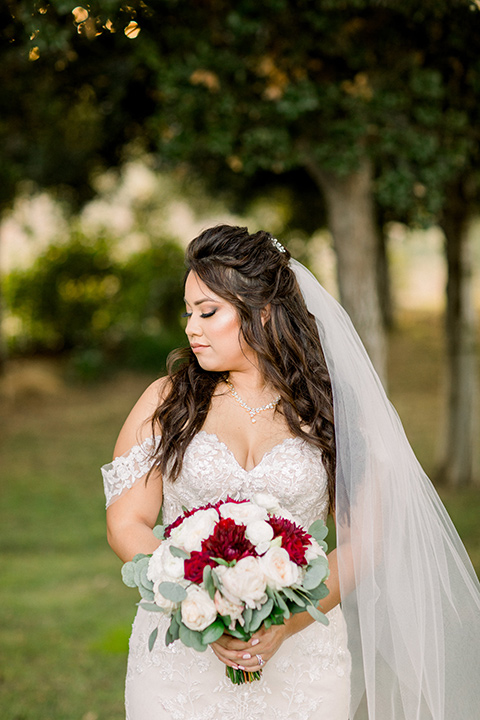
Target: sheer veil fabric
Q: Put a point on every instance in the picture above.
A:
(411, 598)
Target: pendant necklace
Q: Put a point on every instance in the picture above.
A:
(251, 411)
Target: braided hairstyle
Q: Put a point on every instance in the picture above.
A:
(251, 273)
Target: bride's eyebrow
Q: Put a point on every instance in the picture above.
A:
(199, 302)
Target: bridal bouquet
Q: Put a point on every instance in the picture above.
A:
(230, 567)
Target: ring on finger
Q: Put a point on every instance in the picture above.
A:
(261, 661)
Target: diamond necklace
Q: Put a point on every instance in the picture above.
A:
(251, 411)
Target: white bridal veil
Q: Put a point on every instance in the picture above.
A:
(411, 598)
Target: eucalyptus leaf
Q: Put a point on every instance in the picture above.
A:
(213, 632)
(260, 615)
(316, 573)
(140, 556)
(221, 561)
(247, 616)
(144, 578)
(295, 597)
(138, 568)
(318, 530)
(128, 574)
(178, 552)
(208, 581)
(151, 607)
(318, 593)
(172, 591)
(282, 605)
(159, 532)
(317, 615)
(146, 593)
(239, 633)
(152, 638)
(216, 580)
(172, 633)
(191, 638)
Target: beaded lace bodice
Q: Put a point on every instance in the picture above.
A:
(309, 675)
(292, 471)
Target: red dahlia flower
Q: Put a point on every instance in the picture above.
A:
(294, 538)
(228, 541)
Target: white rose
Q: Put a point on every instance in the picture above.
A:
(267, 501)
(167, 605)
(194, 529)
(259, 532)
(244, 582)
(227, 607)
(198, 609)
(313, 551)
(163, 565)
(279, 570)
(243, 513)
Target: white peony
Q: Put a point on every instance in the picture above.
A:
(313, 551)
(198, 609)
(244, 582)
(194, 529)
(227, 607)
(163, 566)
(243, 513)
(259, 532)
(278, 569)
(267, 501)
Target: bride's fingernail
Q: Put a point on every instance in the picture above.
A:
(255, 642)
(235, 667)
(240, 667)
(247, 656)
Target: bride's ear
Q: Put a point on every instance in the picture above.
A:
(265, 313)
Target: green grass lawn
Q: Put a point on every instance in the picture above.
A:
(64, 612)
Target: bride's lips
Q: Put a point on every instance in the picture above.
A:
(197, 347)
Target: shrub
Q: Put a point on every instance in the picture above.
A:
(76, 298)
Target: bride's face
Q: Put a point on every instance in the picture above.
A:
(213, 329)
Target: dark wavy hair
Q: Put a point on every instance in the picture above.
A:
(251, 273)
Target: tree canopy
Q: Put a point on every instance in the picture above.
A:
(235, 90)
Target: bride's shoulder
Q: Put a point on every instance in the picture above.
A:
(138, 425)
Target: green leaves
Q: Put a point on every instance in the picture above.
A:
(213, 632)
(316, 573)
(159, 531)
(258, 616)
(317, 615)
(191, 638)
(128, 574)
(318, 530)
(208, 581)
(178, 552)
(172, 591)
(152, 638)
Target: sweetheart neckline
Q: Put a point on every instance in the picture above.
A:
(276, 447)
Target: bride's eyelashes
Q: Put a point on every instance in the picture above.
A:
(203, 315)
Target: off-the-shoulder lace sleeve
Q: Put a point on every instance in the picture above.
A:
(125, 470)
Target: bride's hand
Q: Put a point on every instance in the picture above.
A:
(249, 655)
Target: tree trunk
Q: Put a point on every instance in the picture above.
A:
(457, 459)
(3, 346)
(387, 308)
(352, 223)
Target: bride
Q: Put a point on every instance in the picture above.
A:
(276, 394)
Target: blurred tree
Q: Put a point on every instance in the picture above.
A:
(75, 297)
(376, 100)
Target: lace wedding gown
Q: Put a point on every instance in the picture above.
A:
(309, 676)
